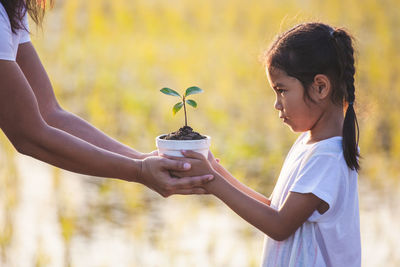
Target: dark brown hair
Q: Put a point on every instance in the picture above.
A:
(16, 10)
(309, 49)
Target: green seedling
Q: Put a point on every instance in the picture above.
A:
(190, 91)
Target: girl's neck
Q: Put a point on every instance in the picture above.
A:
(329, 124)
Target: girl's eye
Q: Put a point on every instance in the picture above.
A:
(280, 91)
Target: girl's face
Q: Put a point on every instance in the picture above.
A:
(296, 111)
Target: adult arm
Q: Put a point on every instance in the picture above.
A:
(21, 121)
(24, 126)
(54, 115)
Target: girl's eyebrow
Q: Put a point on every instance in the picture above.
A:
(278, 85)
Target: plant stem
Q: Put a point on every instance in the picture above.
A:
(184, 109)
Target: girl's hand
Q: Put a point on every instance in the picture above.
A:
(214, 162)
(151, 154)
(199, 164)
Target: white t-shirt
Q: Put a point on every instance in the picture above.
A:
(8, 40)
(330, 239)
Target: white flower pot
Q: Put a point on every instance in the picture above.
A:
(174, 147)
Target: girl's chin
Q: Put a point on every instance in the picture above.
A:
(291, 126)
(295, 129)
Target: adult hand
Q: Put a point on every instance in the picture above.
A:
(155, 175)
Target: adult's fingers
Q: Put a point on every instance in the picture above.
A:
(184, 186)
(178, 174)
(175, 165)
(191, 182)
(193, 191)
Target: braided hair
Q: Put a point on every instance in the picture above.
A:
(16, 10)
(309, 49)
(351, 131)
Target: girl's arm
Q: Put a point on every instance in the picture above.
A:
(54, 115)
(245, 189)
(224, 173)
(278, 224)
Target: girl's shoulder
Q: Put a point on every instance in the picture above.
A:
(332, 145)
(327, 151)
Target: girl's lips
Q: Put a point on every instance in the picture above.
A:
(284, 118)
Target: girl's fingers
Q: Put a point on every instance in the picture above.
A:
(176, 165)
(171, 157)
(187, 154)
(154, 153)
(192, 154)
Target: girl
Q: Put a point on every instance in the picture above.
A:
(37, 126)
(312, 216)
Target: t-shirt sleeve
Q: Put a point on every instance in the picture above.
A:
(6, 47)
(322, 176)
(25, 37)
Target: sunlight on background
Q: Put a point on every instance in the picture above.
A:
(107, 61)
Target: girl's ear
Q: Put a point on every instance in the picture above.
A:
(322, 86)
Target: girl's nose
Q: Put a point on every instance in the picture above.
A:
(278, 105)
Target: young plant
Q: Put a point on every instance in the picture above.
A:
(190, 91)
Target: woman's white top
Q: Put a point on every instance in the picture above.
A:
(9, 41)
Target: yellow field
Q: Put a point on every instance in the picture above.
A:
(107, 61)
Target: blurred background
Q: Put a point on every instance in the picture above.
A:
(107, 61)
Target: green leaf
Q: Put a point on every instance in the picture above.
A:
(193, 90)
(177, 107)
(192, 103)
(169, 91)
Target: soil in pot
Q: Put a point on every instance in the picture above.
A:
(184, 133)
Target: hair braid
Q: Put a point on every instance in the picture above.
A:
(345, 52)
